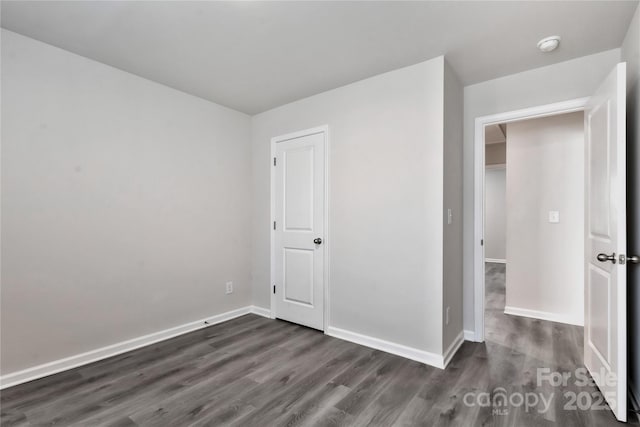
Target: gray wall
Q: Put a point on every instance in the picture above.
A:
(560, 82)
(495, 214)
(495, 154)
(385, 203)
(452, 234)
(545, 274)
(125, 205)
(631, 54)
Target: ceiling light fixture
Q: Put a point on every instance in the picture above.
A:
(549, 44)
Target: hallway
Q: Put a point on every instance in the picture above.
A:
(518, 346)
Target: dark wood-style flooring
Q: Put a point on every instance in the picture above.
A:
(253, 371)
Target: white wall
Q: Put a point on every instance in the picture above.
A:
(452, 234)
(495, 214)
(559, 82)
(125, 205)
(545, 274)
(631, 54)
(385, 204)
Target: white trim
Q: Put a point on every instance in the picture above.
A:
(496, 260)
(478, 190)
(453, 348)
(469, 335)
(260, 311)
(326, 238)
(543, 315)
(77, 360)
(388, 346)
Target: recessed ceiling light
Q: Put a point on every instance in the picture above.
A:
(548, 44)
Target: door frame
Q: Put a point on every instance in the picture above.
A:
(326, 241)
(553, 109)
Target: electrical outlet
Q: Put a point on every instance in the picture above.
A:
(229, 288)
(446, 322)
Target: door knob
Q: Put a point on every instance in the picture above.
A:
(317, 241)
(605, 257)
(631, 259)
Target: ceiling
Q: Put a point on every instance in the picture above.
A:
(253, 56)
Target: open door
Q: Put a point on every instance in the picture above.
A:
(605, 333)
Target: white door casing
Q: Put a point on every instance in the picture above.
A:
(605, 334)
(563, 107)
(299, 227)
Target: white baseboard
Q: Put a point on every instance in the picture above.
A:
(498, 260)
(469, 335)
(453, 348)
(260, 311)
(71, 362)
(75, 361)
(425, 357)
(543, 315)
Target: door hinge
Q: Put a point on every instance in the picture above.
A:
(274, 289)
(481, 242)
(274, 161)
(274, 225)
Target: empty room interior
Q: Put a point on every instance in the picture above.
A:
(279, 213)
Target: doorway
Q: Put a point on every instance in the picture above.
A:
(299, 211)
(501, 121)
(534, 225)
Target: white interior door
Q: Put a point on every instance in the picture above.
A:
(605, 334)
(299, 228)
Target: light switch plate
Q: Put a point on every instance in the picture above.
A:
(554, 217)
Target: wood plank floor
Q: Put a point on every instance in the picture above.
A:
(253, 371)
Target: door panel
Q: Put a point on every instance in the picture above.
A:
(599, 303)
(298, 276)
(599, 180)
(298, 176)
(605, 346)
(299, 217)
